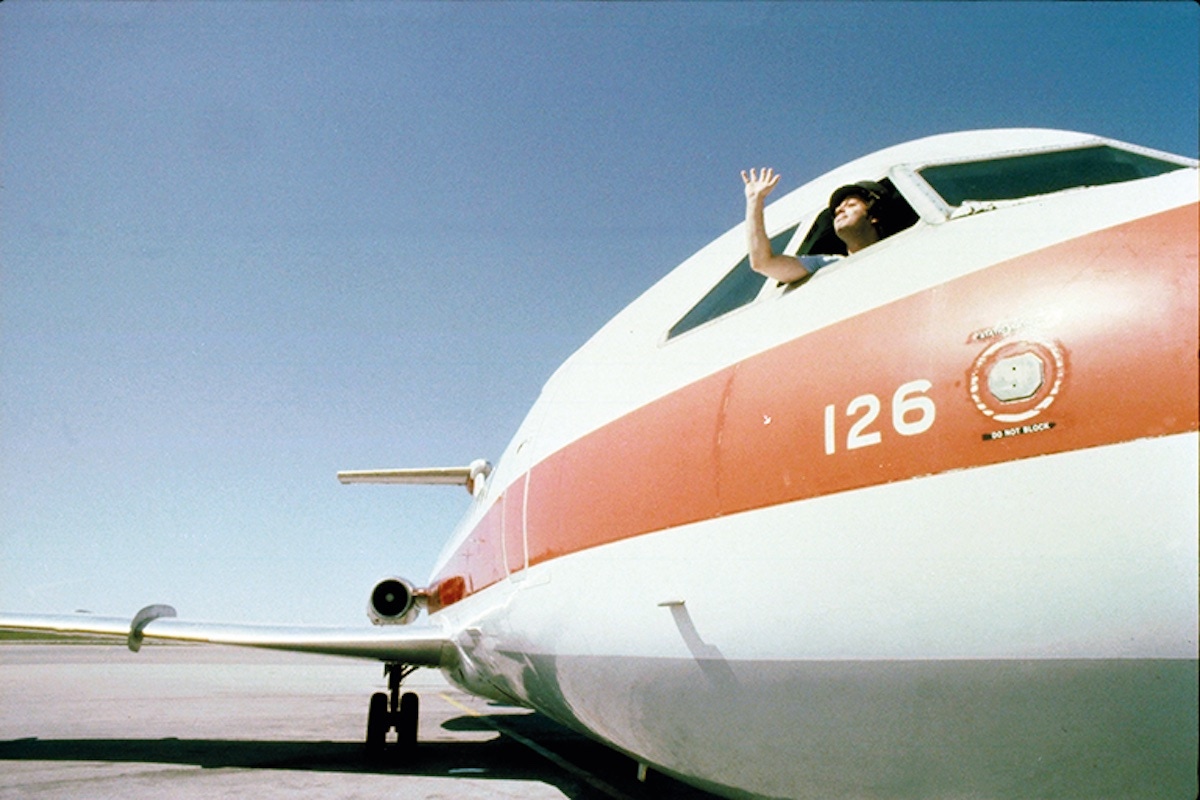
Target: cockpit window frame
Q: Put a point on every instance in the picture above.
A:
(933, 207)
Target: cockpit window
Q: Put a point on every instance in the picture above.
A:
(735, 290)
(1040, 173)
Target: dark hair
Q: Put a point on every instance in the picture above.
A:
(891, 213)
(870, 191)
(888, 210)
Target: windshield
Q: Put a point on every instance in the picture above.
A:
(1040, 173)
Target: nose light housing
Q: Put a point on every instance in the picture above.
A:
(1016, 378)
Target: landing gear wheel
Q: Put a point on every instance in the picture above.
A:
(406, 721)
(393, 710)
(378, 723)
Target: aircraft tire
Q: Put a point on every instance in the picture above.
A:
(406, 722)
(378, 723)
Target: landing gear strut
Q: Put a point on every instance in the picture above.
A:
(393, 710)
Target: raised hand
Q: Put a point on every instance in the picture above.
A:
(760, 184)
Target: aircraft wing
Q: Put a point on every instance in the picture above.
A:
(417, 645)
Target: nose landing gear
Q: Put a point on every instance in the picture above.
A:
(393, 710)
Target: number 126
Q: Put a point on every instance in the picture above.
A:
(912, 413)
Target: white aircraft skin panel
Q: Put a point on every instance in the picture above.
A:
(913, 730)
(973, 678)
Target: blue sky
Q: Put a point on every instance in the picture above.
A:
(246, 244)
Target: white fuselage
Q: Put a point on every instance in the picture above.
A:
(785, 593)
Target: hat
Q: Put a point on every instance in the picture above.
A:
(868, 190)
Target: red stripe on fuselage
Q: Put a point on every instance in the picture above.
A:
(1114, 315)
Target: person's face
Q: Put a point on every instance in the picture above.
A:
(851, 214)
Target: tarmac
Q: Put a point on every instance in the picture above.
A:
(95, 720)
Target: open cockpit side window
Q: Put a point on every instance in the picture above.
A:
(741, 285)
(738, 288)
(895, 215)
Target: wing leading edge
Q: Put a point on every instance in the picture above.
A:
(421, 645)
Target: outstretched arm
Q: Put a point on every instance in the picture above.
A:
(780, 267)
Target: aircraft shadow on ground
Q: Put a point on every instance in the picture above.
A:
(500, 758)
